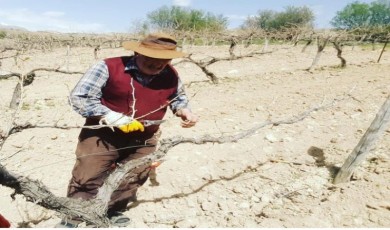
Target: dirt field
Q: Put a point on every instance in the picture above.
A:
(279, 177)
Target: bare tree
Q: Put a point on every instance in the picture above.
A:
(376, 129)
(321, 44)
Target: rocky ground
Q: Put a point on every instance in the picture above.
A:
(279, 177)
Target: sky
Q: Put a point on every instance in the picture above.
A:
(120, 16)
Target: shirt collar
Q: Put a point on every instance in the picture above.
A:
(132, 66)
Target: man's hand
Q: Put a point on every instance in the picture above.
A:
(132, 126)
(188, 118)
(125, 123)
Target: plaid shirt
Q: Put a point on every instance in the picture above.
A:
(85, 97)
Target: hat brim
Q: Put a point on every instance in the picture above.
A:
(154, 53)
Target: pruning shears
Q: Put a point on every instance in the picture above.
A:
(147, 123)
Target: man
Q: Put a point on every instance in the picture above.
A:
(125, 94)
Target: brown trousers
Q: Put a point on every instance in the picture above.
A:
(98, 152)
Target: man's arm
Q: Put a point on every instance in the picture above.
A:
(86, 95)
(180, 107)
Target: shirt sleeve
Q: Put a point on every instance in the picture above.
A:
(86, 95)
(179, 99)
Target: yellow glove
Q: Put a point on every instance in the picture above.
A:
(132, 126)
(125, 123)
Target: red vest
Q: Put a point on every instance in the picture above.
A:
(118, 92)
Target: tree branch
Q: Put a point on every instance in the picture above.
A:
(93, 211)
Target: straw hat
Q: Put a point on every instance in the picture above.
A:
(161, 46)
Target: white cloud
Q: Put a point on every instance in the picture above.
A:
(182, 2)
(53, 14)
(50, 20)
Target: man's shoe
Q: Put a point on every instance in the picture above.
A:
(133, 198)
(68, 224)
(119, 220)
